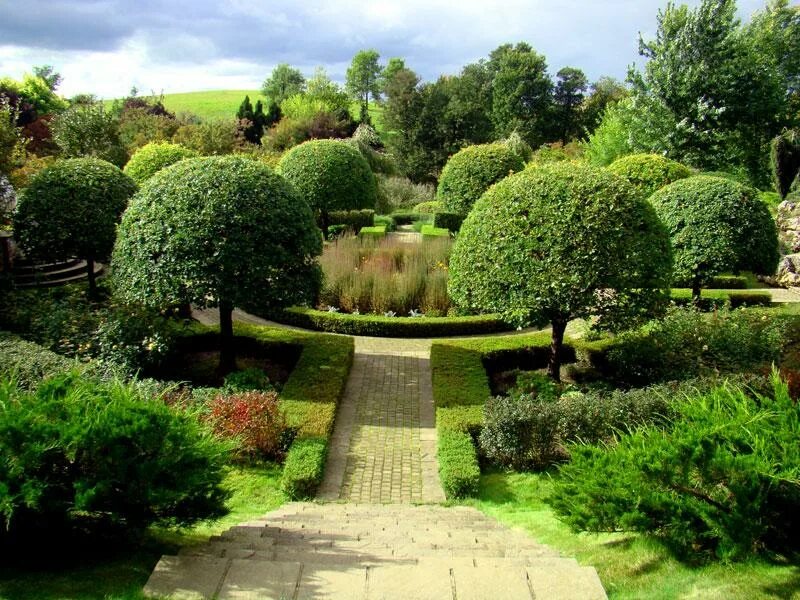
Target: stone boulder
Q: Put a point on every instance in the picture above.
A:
(788, 221)
(788, 274)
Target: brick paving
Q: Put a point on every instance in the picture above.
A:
(383, 448)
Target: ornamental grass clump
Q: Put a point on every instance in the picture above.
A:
(365, 276)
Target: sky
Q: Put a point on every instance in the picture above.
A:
(105, 47)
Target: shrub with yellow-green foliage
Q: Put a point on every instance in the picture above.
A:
(151, 158)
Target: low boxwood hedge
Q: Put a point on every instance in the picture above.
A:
(304, 467)
(380, 326)
(30, 363)
(720, 282)
(448, 220)
(429, 231)
(377, 231)
(352, 219)
(715, 299)
(458, 464)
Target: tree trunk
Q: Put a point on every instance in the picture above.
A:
(554, 367)
(325, 223)
(227, 348)
(696, 290)
(92, 282)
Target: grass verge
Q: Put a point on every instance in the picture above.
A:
(630, 565)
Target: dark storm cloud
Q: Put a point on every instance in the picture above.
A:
(434, 36)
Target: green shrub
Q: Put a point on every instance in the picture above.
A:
(381, 326)
(649, 172)
(76, 448)
(716, 226)
(28, 363)
(152, 157)
(718, 282)
(471, 171)
(385, 220)
(429, 231)
(248, 380)
(252, 421)
(353, 219)
(448, 220)
(687, 343)
(408, 217)
(89, 130)
(430, 207)
(376, 232)
(329, 175)
(720, 482)
(304, 467)
(458, 464)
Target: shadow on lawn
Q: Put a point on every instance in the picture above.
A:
(787, 589)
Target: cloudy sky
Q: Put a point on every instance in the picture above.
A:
(107, 46)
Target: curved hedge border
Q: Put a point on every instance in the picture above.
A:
(380, 326)
(309, 397)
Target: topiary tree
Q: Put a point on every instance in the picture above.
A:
(219, 231)
(471, 171)
(559, 242)
(330, 175)
(152, 157)
(649, 172)
(716, 225)
(72, 208)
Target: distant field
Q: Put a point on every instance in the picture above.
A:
(223, 104)
(213, 104)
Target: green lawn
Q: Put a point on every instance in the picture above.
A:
(630, 566)
(119, 571)
(212, 104)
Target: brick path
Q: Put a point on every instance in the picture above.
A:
(383, 447)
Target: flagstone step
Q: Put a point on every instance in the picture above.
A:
(371, 552)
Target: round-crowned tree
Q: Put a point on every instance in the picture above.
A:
(152, 157)
(71, 209)
(330, 175)
(471, 171)
(649, 172)
(716, 225)
(559, 242)
(221, 231)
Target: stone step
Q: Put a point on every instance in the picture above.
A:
(200, 578)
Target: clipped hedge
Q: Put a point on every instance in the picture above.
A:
(429, 231)
(448, 220)
(380, 326)
(353, 219)
(407, 218)
(377, 231)
(716, 299)
(304, 467)
(649, 172)
(719, 282)
(471, 171)
(151, 158)
(458, 464)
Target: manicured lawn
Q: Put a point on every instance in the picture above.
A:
(629, 565)
(119, 571)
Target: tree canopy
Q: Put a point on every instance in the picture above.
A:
(559, 242)
(284, 81)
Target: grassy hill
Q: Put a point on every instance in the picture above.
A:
(213, 104)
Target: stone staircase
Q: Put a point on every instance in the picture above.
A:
(29, 274)
(360, 551)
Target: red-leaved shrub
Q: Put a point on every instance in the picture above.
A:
(252, 418)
